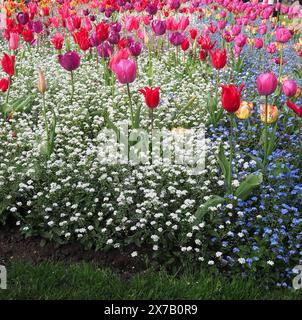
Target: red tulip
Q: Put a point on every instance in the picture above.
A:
(151, 96)
(230, 97)
(219, 58)
(193, 33)
(102, 31)
(57, 40)
(8, 64)
(203, 54)
(4, 83)
(295, 108)
(185, 45)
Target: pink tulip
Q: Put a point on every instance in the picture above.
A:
(289, 88)
(271, 48)
(283, 35)
(267, 83)
(125, 71)
(240, 40)
(14, 41)
(258, 43)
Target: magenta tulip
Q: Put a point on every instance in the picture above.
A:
(267, 83)
(283, 35)
(125, 71)
(289, 88)
(70, 60)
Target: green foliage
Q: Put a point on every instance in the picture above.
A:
(247, 186)
(85, 281)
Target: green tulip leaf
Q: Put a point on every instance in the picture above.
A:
(248, 185)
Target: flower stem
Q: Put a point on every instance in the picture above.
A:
(281, 62)
(231, 154)
(45, 117)
(130, 104)
(266, 131)
(72, 86)
(8, 90)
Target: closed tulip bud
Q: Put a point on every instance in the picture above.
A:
(245, 110)
(41, 81)
(272, 114)
(289, 88)
(267, 83)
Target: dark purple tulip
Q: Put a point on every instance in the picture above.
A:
(102, 9)
(105, 49)
(70, 60)
(93, 40)
(92, 18)
(176, 38)
(22, 18)
(130, 40)
(37, 26)
(151, 8)
(114, 37)
(135, 48)
(116, 27)
(159, 27)
(108, 13)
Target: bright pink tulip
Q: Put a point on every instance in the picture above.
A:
(258, 43)
(283, 35)
(125, 71)
(267, 83)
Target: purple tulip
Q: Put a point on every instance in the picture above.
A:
(105, 49)
(85, 12)
(116, 27)
(176, 38)
(151, 8)
(70, 60)
(37, 26)
(92, 18)
(135, 48)
(159, 27)
(94, 42)
(114, 37)
(22, 18)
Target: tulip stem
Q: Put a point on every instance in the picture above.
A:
(229, 182)
(45, 117)
(266, 131)
(72, 86)
(8, 89)
(130, 104)
(281, 62)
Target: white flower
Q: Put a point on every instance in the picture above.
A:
(270, 262)
(134, 254)
(241, 260)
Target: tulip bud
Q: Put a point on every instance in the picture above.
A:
(267, 83)
(42, 83)
(272, 114)
(245, 110)
(289, 88)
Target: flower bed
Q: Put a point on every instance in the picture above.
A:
(241, 213)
